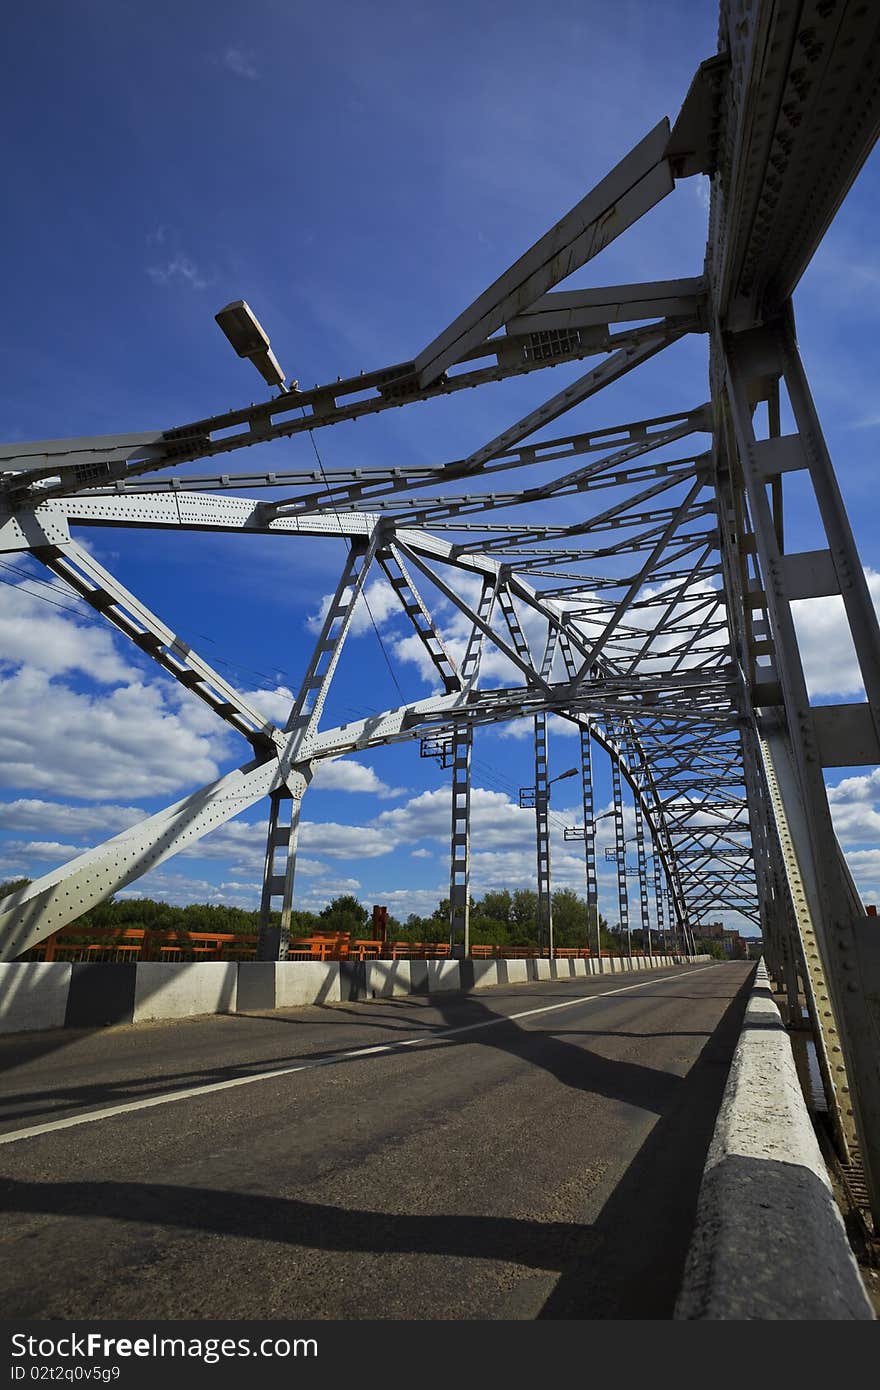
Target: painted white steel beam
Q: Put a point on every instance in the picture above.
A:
(52, 901)
(641, 179)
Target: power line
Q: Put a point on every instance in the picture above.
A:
(63, 606)
(364, 589)
(503, 785)
(91, 621)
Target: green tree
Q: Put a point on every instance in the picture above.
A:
(344, 914)
(487, 931)
(498, 906)
(570, 918)
(12, 885)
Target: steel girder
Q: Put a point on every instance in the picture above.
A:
(665, 609)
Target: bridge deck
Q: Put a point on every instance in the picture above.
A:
(545, 1164)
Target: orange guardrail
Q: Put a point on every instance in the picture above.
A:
(139, 943)
(113, 943)
(418, 950)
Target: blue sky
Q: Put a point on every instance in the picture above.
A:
(358, 174)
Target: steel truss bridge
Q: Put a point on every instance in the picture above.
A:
(661, 590)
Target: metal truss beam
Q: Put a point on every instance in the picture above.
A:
(844, 937)
(31, 914)
(94, 584)
(639, 181)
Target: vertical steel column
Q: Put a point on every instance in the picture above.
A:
(620, 841)
(658, 902)
(589, 807)
(542, 837)
(637, 770)
(542, 808)
(292, 765)
(851, 579)
(590, 835)
(462, 744)
(778, 926)
(460, 851)
(274, 940)
(643, 876)
(830, 917)
(674, 924)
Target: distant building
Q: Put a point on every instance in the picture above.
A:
(734, 946)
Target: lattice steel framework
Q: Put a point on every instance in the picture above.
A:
(663, 592)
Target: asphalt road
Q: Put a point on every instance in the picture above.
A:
(544, 1165)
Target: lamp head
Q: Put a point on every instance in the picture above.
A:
(247, 335)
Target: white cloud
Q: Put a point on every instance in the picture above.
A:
(312, 868)
(240, 844)
(826, 647)
(127, 742)
(348, 775)
(32, 633)
(330, 886)
(344, 841)
(235, 60)
(137, 739)
(865, 864)
(495, 820)
(383, 604)
(524, 728)
(53, 851)
(853, 804)
(180, 890)
(28, 813)
(275, 704)
(179, 270)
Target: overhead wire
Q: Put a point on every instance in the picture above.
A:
(382, 647)
(489, 772)
(94, 621)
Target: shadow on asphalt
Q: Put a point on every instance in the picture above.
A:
(569, 1063)
(627, 1264)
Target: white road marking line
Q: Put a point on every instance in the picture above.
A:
(15, 1135)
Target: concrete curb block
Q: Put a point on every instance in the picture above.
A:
(165, 990)
(36, 995)
(769, 1242)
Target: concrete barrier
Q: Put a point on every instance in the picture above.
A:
(38, 995)
(302, 982)
(443, 975)
(33, 995)
(764, 1158)
(182, 989)
(389, 978)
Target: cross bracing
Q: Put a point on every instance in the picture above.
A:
(634, 577)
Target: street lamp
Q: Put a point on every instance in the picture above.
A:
(528, 796)
(580, 832)
(247, 335)
(529, 800)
